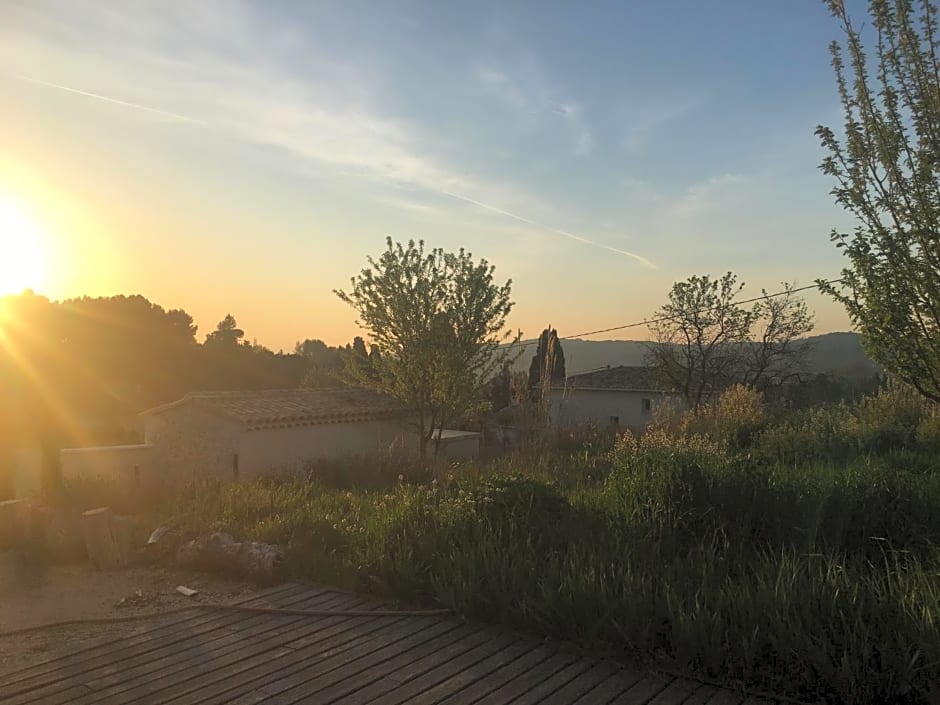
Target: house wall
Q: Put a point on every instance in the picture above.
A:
(290, 449)
(191, 444)
(27, 472)
(132, 464)
(574, 407)
(460, 445)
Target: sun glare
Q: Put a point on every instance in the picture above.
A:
(21, 261)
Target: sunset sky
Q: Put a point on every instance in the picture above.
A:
(246, 157)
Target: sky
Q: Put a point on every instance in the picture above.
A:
(243, 157)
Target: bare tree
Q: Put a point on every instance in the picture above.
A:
(777, 352)
(704, 342)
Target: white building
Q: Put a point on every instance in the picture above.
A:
(233, 436)
(618, 396)
(241, 435)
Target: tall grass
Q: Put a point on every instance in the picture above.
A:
(816, 579)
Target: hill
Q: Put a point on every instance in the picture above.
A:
(838, 354)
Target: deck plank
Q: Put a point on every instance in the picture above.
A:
(651, 685)
(525, 682)
(506, 673)
(292, 682)
(170, 625)
(607, 690)
(88, 663)
(676, 692)
(239, 658)
(255, 659)
(701, 696)
(461, 673)
(582, 685)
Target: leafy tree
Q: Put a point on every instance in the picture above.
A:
(359, 347)
(704, 342)
(437, 319)
(226, 332)
(886, 173)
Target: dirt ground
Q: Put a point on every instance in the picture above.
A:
(31, 595)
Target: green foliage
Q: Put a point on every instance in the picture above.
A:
(892, 420)
(226, 332)
(803, 563)
(437, 322)
(885, 169)
(732, 419)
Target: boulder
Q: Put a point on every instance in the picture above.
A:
(220, 553)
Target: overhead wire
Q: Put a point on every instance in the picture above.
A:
(763, 297)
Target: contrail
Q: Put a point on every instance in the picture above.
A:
(115, 101)
(185, 118)
(572, 236)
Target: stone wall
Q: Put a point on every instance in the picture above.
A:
(132, 465)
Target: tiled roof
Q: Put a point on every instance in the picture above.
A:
(282, 408)
(625, 378)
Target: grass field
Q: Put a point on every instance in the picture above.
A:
(796, 553)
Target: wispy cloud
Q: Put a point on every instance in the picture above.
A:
(643, 120)
(237, 79)
(406, 205)
(535, 98)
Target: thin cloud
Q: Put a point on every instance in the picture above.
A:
(114, 101)
(572, 236)
(255, 98)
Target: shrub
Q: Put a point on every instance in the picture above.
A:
(804, 562)
(732, 419)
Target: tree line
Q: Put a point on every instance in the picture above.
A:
(87, 366)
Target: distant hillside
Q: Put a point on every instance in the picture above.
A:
(840, 354)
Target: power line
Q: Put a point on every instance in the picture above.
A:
(526, 343)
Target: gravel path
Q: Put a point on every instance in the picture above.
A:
(33, 596)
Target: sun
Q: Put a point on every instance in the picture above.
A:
(21, 259)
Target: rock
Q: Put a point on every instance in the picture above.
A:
(220, 553)
(214, 553)
(157, 534)
(261, 561)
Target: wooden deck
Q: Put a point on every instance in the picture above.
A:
(240, 658)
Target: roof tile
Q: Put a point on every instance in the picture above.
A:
(633, 378)
(280, 407)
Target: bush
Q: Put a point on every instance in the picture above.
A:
(797, 555)
(732, 419)
(890, 421)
